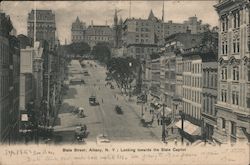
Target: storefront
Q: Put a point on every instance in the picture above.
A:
(190, 131)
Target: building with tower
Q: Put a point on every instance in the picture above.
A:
(99, 33)
(42, 24)
(78, 30)
(117, 30)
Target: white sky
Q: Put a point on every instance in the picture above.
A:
(100, 11)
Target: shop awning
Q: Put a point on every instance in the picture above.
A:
(189, 127)
(167, 111)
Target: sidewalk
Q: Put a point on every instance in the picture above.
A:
(155, 128)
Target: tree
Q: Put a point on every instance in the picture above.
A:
(101, 51)
(79, 48)
(122, 70)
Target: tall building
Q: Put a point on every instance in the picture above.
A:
(78, 30)
(137, 31)
(233, 105)
(209, 97)
(117, 29)
(195, 25)
(9, 82)
(45, 26)
(194, 59)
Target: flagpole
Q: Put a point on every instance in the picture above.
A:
(34, 24)
(163, 35)
(130, 9)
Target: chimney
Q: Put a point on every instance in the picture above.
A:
(92, 24)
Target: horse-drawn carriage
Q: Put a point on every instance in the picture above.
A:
(80, 132)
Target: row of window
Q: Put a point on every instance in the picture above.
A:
(142, 29)
(100, 38)
(170, 75)
(77, 37)
(141, 41)
(233, 126)
(210, 79)
(192, 81)
(192, 95)
(187, 66)
(4, 114)
(4, 54)
(192, 110)
(196, 68)
(142, 35)
(4, 86)
(235, 73)
(143, 50)
(208, 104)
(170, 87)
(235, 46)
(236, 19)
(142, 23)
(235, 96)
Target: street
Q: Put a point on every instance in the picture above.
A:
(100, 119)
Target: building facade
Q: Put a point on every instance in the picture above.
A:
(209, 97)
(117, 30)
(14, 90)
(9, 82)
(138, 31)
(98, 34)
(233, 103)
(43, 26)
(78, 30)
(155, 81)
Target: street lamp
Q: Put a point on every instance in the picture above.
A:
(129, 95)
(182, 124)
(163, 124)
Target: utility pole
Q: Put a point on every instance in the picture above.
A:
(34, 24)
(142, 109)
(130, 9)
(163, 30)
(163, 124)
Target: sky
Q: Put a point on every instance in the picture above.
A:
(102, 11)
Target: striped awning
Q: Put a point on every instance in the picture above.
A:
(189, 127)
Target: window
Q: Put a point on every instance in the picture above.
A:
(224, 23)
(248, 42)
(238, 45)
(235, 98)
(248, 73)
(233, 128)
(224, 95)
(225, 47)
(236, 73)
(248, 100)
(234, 46)
(224, 73)
(236, 19)
(137, 50)
(223, 123)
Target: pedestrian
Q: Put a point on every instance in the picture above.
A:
(158, 121)
(102, 100)
(175, 141)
